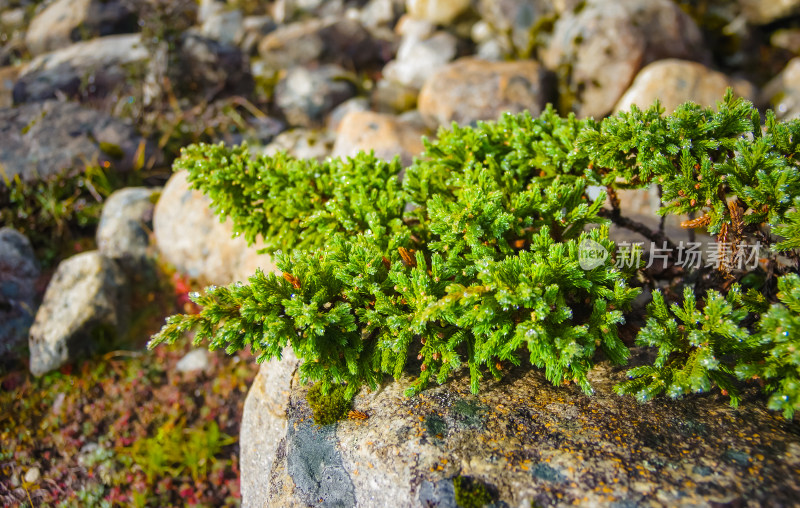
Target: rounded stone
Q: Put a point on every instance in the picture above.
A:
(674, 82)
(469, 90)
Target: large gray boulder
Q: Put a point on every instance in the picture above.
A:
(45, 138)
(264, 425)
(19, 271)
(529, 444)
(84, 310)
(90, 69)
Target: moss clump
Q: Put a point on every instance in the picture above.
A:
(329, 407)
(471, 493)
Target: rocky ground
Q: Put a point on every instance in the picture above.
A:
(98, 96)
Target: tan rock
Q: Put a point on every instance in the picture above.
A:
(385, 134)
(762, 12)
(190, 236)
(440, 12)
(674, 82)
(469, 89)
(783, 92)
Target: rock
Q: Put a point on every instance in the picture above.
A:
(307, 95)
(786, 38)
(386, 135)
(783, 92)
(381, 13)
(253, 29)
(84, 310)
(440, 12)
(302, 143)
(529, 444)
(517, 21)
(393, 97)
(8, 78)
(210, 69)
(190, 236)
(223, 26)
(19, 271)
(674, 82)
(12, 19)
(90, 69)
(340, 111)
(45, 138)
(33, 475)
(470, 89)
(287, 11)
(123, 233)
(264, 425)
(193, 361)
(331, 40)
(418, 57)
(598, 50)
(66, 21)
(759, 12)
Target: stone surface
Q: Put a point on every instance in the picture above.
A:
(253, 29)
(385, 134)
(126, 223)
(302, 143)
(8, 78)
(598, 50)
(782, 93)
(45, 138)
(84, 310)
(19, 271)
(193, 361)
(381, 13)
(516, 22)
(89, 69)
(674, 82)
(439, 12)
(393, 97)
(348, 106)
(223, 26)
(264, 425)
(760, 12)
(190, 236)
(419, 57)
(330, 40)
(530, 444)
(66, 21)
(307, 95)
(470, 89)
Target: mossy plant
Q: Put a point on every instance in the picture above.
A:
(327, 408)
(477, 257)
(471, 493)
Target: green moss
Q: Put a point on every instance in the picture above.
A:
(329, 407)
(112, 150)
(435, 426)
(471, 493)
